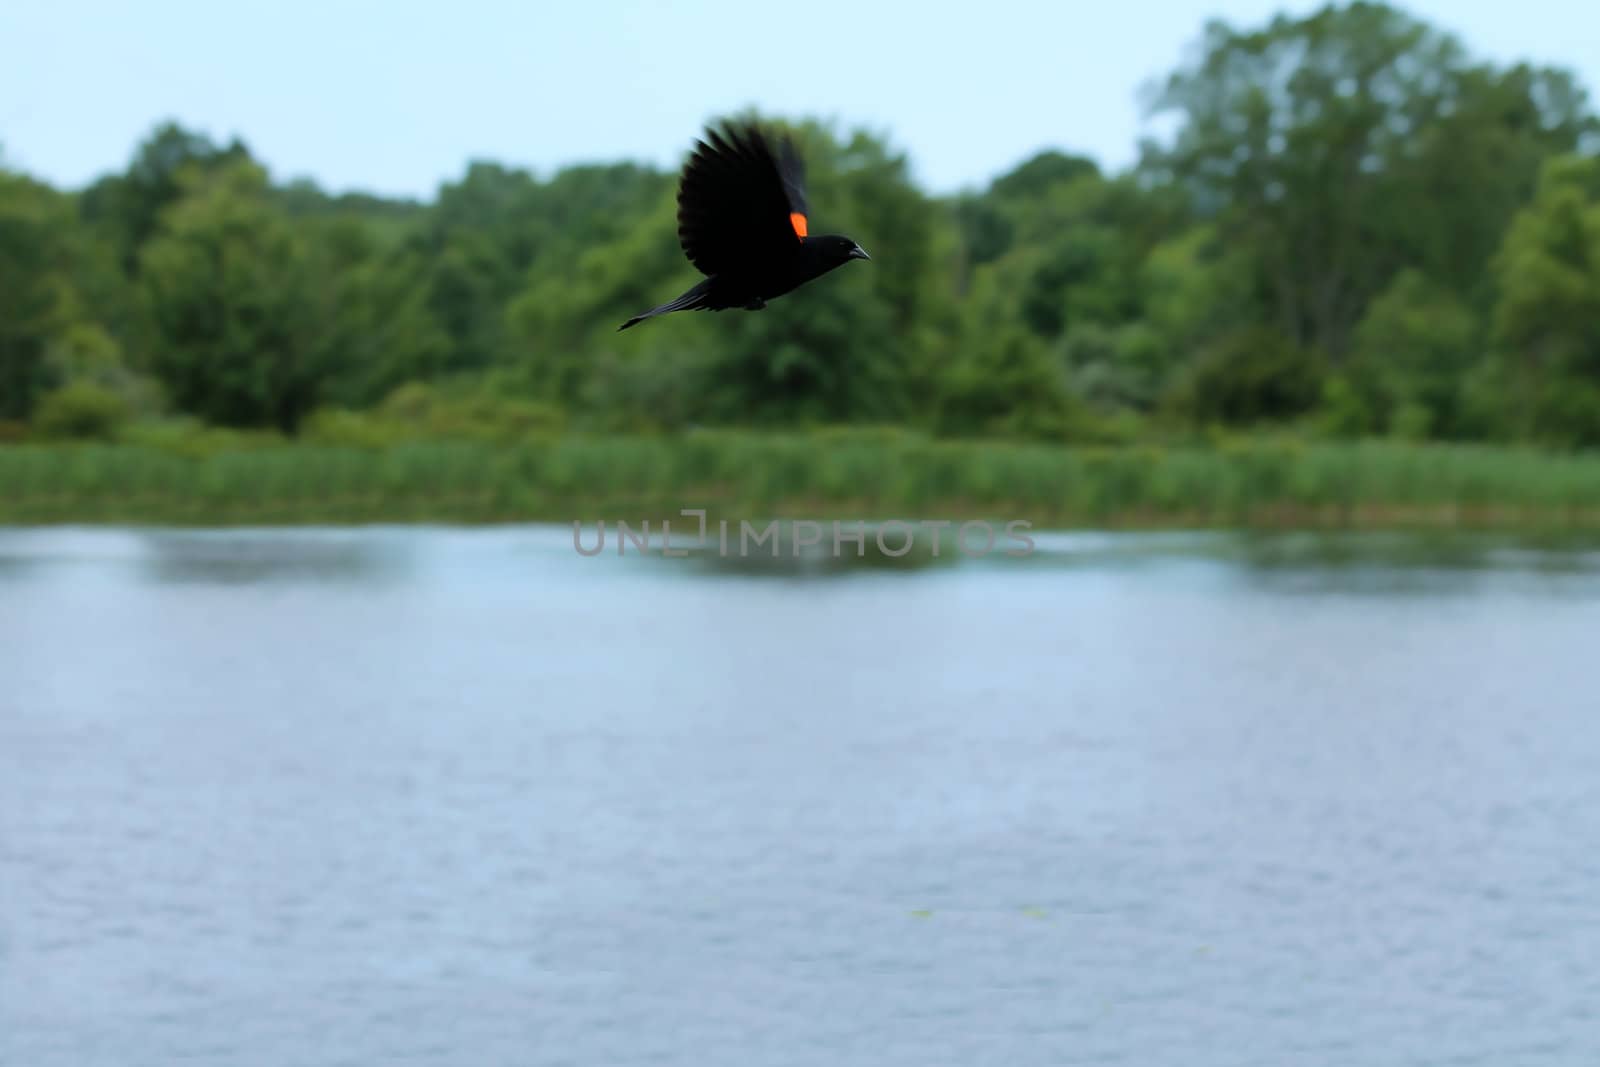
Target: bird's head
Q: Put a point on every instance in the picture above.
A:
(837, 249)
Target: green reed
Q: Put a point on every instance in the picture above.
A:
(835, 474)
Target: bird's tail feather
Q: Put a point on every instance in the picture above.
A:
(693, 300)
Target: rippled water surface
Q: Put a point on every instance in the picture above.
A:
(466, 797)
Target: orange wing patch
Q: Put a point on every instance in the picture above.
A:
(798, 221)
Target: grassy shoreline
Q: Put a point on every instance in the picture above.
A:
(855, 475)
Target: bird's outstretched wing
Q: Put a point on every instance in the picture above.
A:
(741, 202)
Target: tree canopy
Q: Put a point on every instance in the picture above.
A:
(1355, 226)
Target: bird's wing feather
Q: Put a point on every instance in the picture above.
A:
(740, 202)
(793, 170)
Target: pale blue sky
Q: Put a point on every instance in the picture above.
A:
(396, 96)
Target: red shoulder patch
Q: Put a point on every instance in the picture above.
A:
(798, 221)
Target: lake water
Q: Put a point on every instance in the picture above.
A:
(466, 797)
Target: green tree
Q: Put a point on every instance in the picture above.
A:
(1070, 250)
(374, 327)
(1413, 349)
(34, 288)
(1248, 375)
(562, 325)
(128, 206)
(232, 298)
(1340, 147)
(81, 411)
(1008, 386)
(1547, 318)
(498, 233)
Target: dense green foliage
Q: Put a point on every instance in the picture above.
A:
(1355, 230)
(849, 475)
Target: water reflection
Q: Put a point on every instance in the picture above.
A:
(817, 561)
(1422, 563)
(1350, 562)
(246, 557)
(1419, 563)
(1319, 561)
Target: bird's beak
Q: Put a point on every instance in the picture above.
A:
(859, 253)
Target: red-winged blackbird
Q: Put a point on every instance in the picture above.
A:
(742, 223)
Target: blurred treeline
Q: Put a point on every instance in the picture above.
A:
(1355, 229)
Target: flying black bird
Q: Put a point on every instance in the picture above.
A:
(742, 223)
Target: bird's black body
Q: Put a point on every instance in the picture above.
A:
(742, 223)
